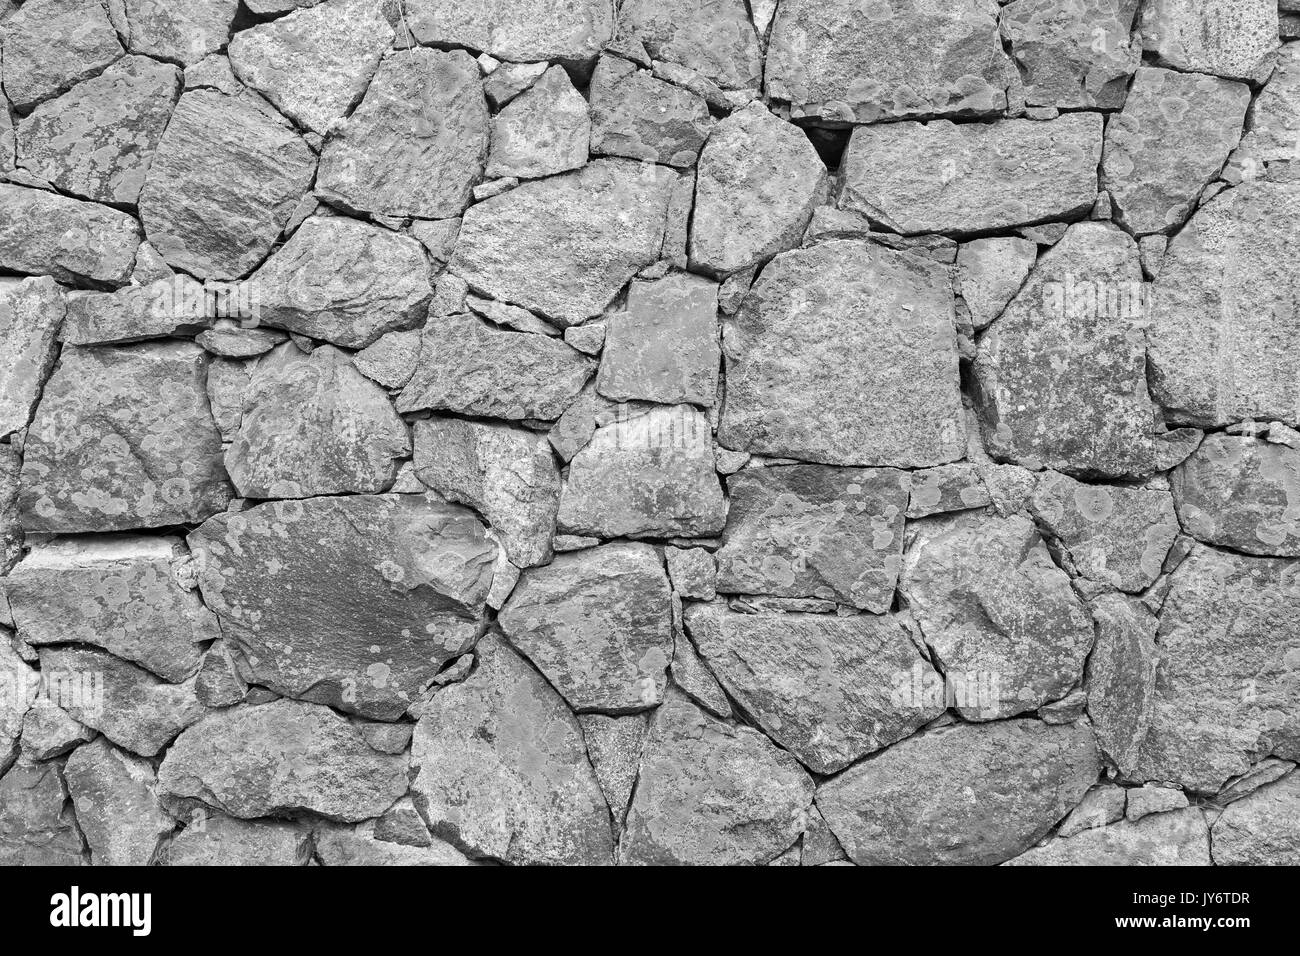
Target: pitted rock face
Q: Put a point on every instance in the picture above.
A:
(50, 45)
(1167, 839)
(37, 822)
(1073, 53)
(1261, 829)
(43, 233)
(181, 33)
(1232, 38)
(31, 313)
(635, 115)
(545, 131)
(117, 805)
(355, 601)
(514, 30)
(715, 40)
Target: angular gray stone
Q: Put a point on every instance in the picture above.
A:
(359, 846)
(947, 488)
(665, 347)
(845, 353)
(1001, 620)
(1171, 139)
(182, 33)
(968, 794)
(128, 705)
(828, 689)
(506, 474)
(614, 746)
(391, 360)
(589, 411)
(355, 602)
(175, 306)
(1261, 774)
(510, 316)
(11, 528)
(49, 732)
(314, 64)
(1262, 829)
(227, 385)
(49, 45)
(942, 177)
(218, 682)
(758, 181)
(544, 131)
(1101, 806)
(1115, 534)
(1241, 493)
(515, 30)
(467, 366)
(501, 770)
(635, 115)
(812, 531)
(31, 313)
(313, 425)
(648, 476)
(598, 624)
(1232, 38)
(117, 805)
(19, 686)
(588, 339)
(1073, 54)
(846, 62)
(417, 143)
(44, 233)
(1144, 801)
(1121, 678)
(693, 572)
(228, 339)
(219, 840)
(508, 80)
(281, 757)
(97, 140)
(123, 438)
(564, 247)
(37, 823)
(343, 281)
(1273, 121)
(693, 676)
(1169, 839)
(119, 593)
(225, 179)
(1225, 295)
(1062, 374)
(990, 272)
(748, 802)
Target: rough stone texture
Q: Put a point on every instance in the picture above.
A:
(990, 272)
(1121, 678)
(598, 624)
(1262, 829)
(281, 757)
(972, 795)
(712, 793)
(1144, 801)
(958, 487)
(224, 181)
(391, 359)
(1241, 493)
(501, 770)
(51, 44)
(693, 573)
(220, 840)
(1167, 839)
(1224, 298)
(715, 40)
(182, 33)
(117, 805)
(1232, 38)
(343, 281)
(1073, 54)
(1101, 806)
(515, 30)
(564, 247)
(1273, 121)
(846, 62)
(648, 476)
(1171, 139)
(1114, 534)
(614, 745)
(507, 475)
(943, 177)
(313, 425)
(37, 823)
(123, 438)
(635, 115)
(845, 354)
(544, 131)
(31, 313)
(355, 602)
(359, 846)
(97, 140)
(759, 179)
(829, 689)
(42, 233)
(174, 306)
(1001, 620)
(812, 531)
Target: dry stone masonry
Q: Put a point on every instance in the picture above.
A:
(649, 432)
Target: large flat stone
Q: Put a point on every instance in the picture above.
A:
(219, 840)
(1232, 38)
(181, 33)
(50, 45)
(715, 40)
(43, 233)
(1166, 839)
(1262, 829)
(636, 115)
(1073, 53)
(544, 131)
(1121, 678)
(117, 805)
(516, 30)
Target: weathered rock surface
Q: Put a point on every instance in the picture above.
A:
(37, 823)
(97, 140)
(391, 359)
(1144, 801)
(693, 572)
(502, 771)
(358, 846)
(636, 115)
(614, 745)
(1273, 121)
(1073, 53)
(506, 474)
(544, 131)
(942, 177)
(515, 30)
(49, 731)
(354, 602)
(175, 306)
(845, 353)
(990, 272)
(1171, 139)
(416, 144)
(123, 438)
(1167, 839)
(468, 367)
(1002, 621)
(973, 795)
(1241, 493)
(1121, 678)
(117, 805)
(31, 313)
(281, 757)
(1262, 829)
(957, 487)
(182, 33)
(19, 686)
(715, 40)
(665, 347)
(225, 179)
(647, 476)
(759, 179)
(847, 63)
(1232, 38)
(829, 689)
(1225, 296)
(564, 247)
(43, 233)
(313, 425)
(49, 45)
(598, 624)
(1102, 805)
(1116, 534)
(343, 281)
(712, 793)
(219, 840)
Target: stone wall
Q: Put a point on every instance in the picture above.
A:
(796, 432)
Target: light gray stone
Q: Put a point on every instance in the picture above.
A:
(958, 487)
(1073, 54)
(1232, 38)
(359, 846)
(1144, 801)
(990, 272)
(715, 40)
(1101, 806)
(635, 115)
(1262, 829)
(219, 840)
(391, 360)
(514, 30)
(544, 131)
(614, 745)
(44, 233)
(37, 823)
(1169, 839)
(173, 306)
(50, 45)
(182, 33)
(31, 314)
(117, 805)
